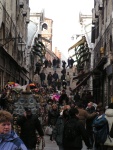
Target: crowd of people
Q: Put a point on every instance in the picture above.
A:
(70, 118)
(54, 79)
(81, 110)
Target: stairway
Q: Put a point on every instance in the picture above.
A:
(58, 70)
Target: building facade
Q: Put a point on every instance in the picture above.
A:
(102, 37)
(14, 19)
(39, 30)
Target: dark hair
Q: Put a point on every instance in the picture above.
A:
(73, 112)
(66, 113)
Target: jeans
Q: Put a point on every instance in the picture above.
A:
(60, 147)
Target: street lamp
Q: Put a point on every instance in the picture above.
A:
(21, 46)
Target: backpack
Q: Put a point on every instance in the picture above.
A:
(100, 129)
(70, 130)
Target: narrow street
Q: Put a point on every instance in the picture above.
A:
(49, 145)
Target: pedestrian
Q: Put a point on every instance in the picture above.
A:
(38, 67)
(63, 77)
(77, 97)
(74, 132)
(49, 79)
(68, 78)
(49, 63)
(108, 145)
(9, 140)
(59, 128)
(58, 62)
(54, 64)
(46, 63)
(69, 62)
(42, 77)
(29, 124)
(72, 62)
(58, 84)
(55, 76)
(63, 64)
(90, 109)
(63, 98)
(53, 115)
(63, 71)
(83, 114)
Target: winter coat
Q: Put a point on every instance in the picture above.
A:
(109, 117)
(29, 126)
(53, 116)
(63, 77)
(8, 142)
(42, 76)
(49, 77)
(54, 62)
(58, 130)
(83, 115)
(55, 76)
(62, 98)
(81, 134)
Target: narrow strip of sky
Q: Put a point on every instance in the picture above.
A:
(65, 16)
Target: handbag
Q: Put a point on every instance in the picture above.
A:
(48, 130)
(111, 131)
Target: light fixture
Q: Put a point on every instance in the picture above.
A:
(21, 46)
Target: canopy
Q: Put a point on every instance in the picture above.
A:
(78, 43)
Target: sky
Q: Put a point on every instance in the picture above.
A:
(65, 16)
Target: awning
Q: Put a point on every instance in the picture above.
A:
(83, 81)
(80, 76)
(78, 43)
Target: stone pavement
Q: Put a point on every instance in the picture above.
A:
(49, 145)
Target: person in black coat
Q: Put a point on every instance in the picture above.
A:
(80, 132)
(63, 64)
(63, 98)
(42, 78)
(49, 79)
(38, 67)
(46, 63)
(29, 125)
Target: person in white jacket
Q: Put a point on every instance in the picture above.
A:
(108, 145)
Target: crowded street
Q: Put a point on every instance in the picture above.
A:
(56, 75)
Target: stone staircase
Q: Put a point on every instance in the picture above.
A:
(58, 70)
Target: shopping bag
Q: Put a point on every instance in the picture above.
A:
(48, 130)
